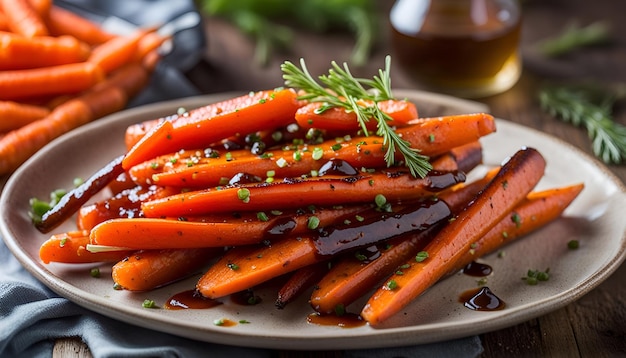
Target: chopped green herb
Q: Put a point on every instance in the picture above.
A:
(533, 277)
(421, 256)
(244, 195)
(148, 304)
(392, 285)
(340, 310)
(313, 222)
(232, 266)
(94, 272)
(262, 216)
(573, 244)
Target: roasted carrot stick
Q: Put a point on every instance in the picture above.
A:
(64, 22)
(537, 210)
(15, 115)
(335, 118)
(53, 80)
(147, 270)
(23, 19)
(207, 170)
(302, 192)
(244, 267)
(513, 182)
(126, 204)
(300, 281)
(70, 247)
(270, 109)
(78, 196)
(148, 233)
(18, 52)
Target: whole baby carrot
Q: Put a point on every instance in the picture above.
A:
(64, 22)
(268, 109)
(510, 186)
(19, 52)
(15, 115)
(302, 192)
(70, 248)
(23, 19)
(53, 80)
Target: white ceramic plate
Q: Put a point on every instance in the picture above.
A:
(596, 219)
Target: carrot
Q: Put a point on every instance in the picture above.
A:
(300, 281)
(4, 22)
(20, 144)
(42, 7)
(18, 52)
(23, 19)
(126, 204)
(190, 170)
(513, 182)
(302, 192)
(537, 210)
(53, 80)
(78, 196)
(149, 233)
(64, 22)
(270, 109)
(244, 267)
(147, 270)
(117, 51)
(15, 115)
(313, 115)
(149, 43)
(70, 247)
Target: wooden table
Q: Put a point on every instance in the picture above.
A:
(593, 326)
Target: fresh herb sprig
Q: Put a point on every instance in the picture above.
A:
(341, 89)
(586, 107)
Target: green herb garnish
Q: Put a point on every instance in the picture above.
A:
(347, 92)
(575, 37)
(590, 108)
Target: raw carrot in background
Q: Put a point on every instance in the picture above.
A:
(313, 115)
(295, 193)
(46, 81)
(117, 51)
(150, 269)
(42, 7)
(18, 52)
(513, 182)
(14, 115)
(4, 25)
(23, 19)
(70, 248)
(270, 109)
(64, 22)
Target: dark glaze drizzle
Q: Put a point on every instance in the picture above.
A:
(336, 166)
(347, 320)
(481, 299)
(380, 226)
(190, 299)
(477, 269)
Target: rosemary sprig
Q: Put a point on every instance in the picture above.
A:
(585, 107)
(341, 89)
(575, 37)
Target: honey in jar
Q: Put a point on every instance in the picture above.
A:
(467, 48)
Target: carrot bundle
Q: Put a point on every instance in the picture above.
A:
(51, 57)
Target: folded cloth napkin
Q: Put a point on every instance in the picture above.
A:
(32, 317)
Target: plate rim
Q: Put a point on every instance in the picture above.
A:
(393, 336)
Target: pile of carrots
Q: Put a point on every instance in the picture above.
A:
(264, 186)
(58, 71)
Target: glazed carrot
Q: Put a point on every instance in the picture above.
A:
(244, 267)
(302, 192)
(23, 19)
(147, 270)
(537, 210)
(335, 118)
(64, 22)
(120, 183)
(4, 24)
(70, 248)
(117, 51)
(510, 186)
(191, 170)
(126, 204)
(53, 80)
(300, 281)
(15, 115)
(150, 233)
(19, 52)
(270, 109)
(78, 196)
(42, 7)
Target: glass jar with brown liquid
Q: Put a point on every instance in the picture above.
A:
(467, 48)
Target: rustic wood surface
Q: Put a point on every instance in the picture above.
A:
(593, 326)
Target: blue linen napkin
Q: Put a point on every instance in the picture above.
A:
(32, 316)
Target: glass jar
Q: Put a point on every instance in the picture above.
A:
(466, 48)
